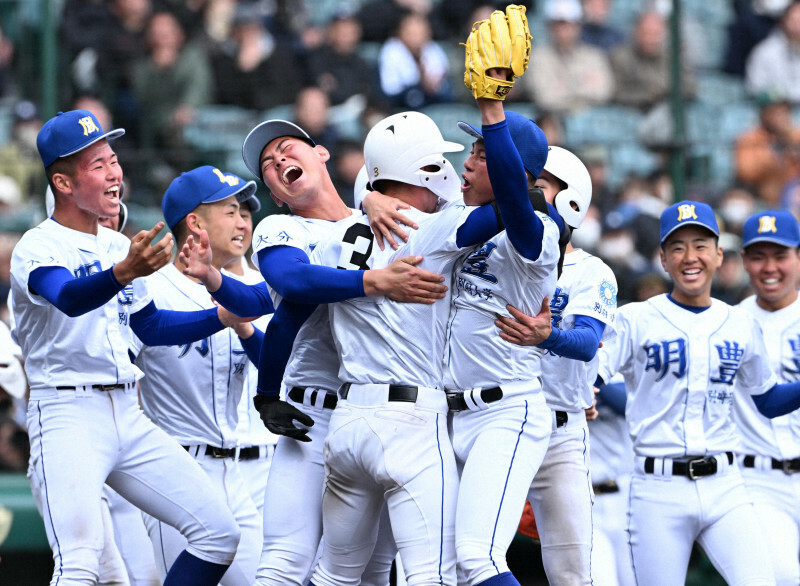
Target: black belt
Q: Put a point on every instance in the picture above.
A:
(457, 402)
(98, 387)
(399, 393)
(561, 418)
(251, 452)
(607, 487)
(693, 469)
(788, 466)
(215, 452)
(297, 394)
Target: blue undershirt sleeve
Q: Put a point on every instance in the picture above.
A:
(277, 346)
(242, 299)
(579, 343)
(288, 271)
(252, 345)
(74, 296)
(510, 186)
(614, 396)
(164, 327)
(779, 400)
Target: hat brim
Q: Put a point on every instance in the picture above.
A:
(470, 129)
(773, 240)
(262, 135)
(110, 135)
(248, 194)
(689, 223)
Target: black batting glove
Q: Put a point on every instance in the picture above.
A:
(279, 416)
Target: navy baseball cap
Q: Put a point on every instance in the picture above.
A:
(265, 133)
(66, 133)
(687, 213)
(777, 226)
(204, 184)
(527, 137)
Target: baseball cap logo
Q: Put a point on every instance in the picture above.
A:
(230, 180)
(88, 125)
(686, 212)
(767, 224)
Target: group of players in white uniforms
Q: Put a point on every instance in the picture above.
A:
(421, 393)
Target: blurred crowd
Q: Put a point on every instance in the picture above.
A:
(162, 69)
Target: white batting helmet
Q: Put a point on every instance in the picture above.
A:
(399, 146)
(361, 187)
(573, 202)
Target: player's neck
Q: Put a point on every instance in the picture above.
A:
(700, 300)
(76, 219)
(778, 304)
(331, 207)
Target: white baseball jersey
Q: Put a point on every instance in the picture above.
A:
(192, 391)
(47, 336)
(587, 286)
(490, 277)
(681, 370)
(778, 437)
(314, 362)
(406, 340)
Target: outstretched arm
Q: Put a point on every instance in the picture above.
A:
(779, 400)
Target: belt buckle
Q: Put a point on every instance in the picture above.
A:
(218, 452)
(791, 466)
(700, 461)
(106, 387)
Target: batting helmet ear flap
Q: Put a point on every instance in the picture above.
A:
(573, 202)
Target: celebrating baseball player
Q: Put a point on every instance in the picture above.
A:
(205, 377)
(293, 168)
(75, 296)
(583, 309)
(684, 356)
(770, 453)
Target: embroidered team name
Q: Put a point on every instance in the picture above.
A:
(686, 212)
(730, 356)
(477, 265)
(767, 224)
(794, 345)
(88, 125)
(229, 179)
(661, 355)
(558, 303)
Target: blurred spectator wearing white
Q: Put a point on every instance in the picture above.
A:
(566, 74)
(774, 64)
(413, 68)
(642, 66)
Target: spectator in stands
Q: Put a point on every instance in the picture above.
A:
(123, 45)
(774, 63)
(312, 113)
(413, 68)
(379, 18)
(567, 75)
(730, 283)
(768, 155)
(642, 66)
(81, 29)
(251, 69)
(8, 84)
(18, 156)
(336, 66)
(596, 31)
(348, 160)
(170, 83)
(754, 20)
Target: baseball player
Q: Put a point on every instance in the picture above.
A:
(292, 167)
(583, 309)
(75, 296)
(684, 356)
(770, 454)
(206, 377)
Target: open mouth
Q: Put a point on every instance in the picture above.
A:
(291, 174)
(113, 191)
(465, 184)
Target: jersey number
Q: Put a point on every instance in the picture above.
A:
(356, 248)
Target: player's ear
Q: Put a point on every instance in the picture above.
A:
(278, 202)
(323, 153)
(62, 182)
(194, 223)
(663, 258)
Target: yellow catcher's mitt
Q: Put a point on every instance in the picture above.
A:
(501, 41)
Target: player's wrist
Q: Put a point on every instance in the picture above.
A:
(122, 273)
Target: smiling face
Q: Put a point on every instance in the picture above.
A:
(774, 272)
(225, 226)
(476, 187)
(292, 169)
(691, 255)
(91, 186)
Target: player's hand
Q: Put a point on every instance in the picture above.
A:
(592, 413)
(231, 320)
(196, 257)
(279, 417)
(404, 281)
(524, 330)
(144, 258)
(385, 218)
